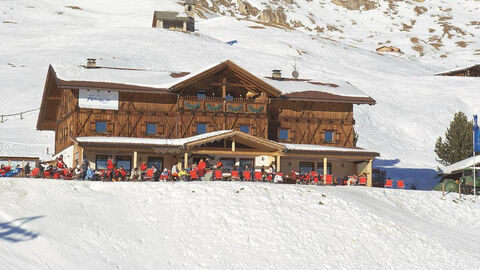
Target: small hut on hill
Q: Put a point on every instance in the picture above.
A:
(473, 71)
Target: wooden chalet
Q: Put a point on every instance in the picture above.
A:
(222, 112)
(177, 21)
(473, 71)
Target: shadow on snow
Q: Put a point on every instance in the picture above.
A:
(13, 232)
(422, 178)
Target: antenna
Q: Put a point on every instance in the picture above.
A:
(295, 73)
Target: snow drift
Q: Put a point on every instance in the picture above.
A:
(53, 224)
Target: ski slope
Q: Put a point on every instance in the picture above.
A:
(414, 107)
(51, 224)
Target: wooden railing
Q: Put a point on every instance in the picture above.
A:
(217, 104)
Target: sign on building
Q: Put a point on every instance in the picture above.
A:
(95, 99)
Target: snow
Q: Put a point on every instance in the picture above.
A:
(150, 141)
(208, 225)
(462, 164)
(413, 108)
(341, 89)
(312, 147)
(163, 79)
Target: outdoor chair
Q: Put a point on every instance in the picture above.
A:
(401, 184)
(314, 176)
(149, 174)
(218, 175)
(258, 176)
(362, 181)
(247, 175)
(329, 179)
(194, 175)
(235, 175)
(389, 183)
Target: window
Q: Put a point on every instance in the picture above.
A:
(228, 164)
(201, 94)
(328, 136)
(305, 167)
(101, 162)
(201, 128)
(283, 134)
(245, 129)
(320, 168)
(246, 161)
(100, 126)
(157, 161)
(151, 129)
(125, 162)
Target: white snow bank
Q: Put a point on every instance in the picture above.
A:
(462, 164)
(208, 225)
(341, 88)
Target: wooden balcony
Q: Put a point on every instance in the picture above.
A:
(221, 105)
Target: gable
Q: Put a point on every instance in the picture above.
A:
(230, 75)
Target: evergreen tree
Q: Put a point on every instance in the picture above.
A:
(457, 144)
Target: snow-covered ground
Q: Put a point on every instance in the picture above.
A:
(414, 107)
(54, 224)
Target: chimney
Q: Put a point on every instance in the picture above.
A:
(276, 74)
(190, 8)
(91, 62)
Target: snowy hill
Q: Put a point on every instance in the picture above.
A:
(413, 109)
(52, 224)
(418, 27)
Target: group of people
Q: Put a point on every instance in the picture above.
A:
(203, 170)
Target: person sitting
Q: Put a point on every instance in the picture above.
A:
(174, 172)
(78, 173)
(183, 175)
(164, 175)
(26, 169)
(219, 165)
(89, 174)
(135, 175)
(60, 163)
(120, 174)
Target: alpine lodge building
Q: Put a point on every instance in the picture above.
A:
(223, 112)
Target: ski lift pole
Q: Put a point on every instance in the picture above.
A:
(474, 163)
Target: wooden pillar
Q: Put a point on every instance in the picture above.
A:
(369, 173)
(224, 86)
(233, 145)
(325, 172)
(185, 161)
(135, 159)
(278, 164)
(185, 26)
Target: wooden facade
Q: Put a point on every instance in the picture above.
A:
(224, 97)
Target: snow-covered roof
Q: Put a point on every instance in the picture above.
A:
(322, 148)
(166, 79)
(334, 87)
(140, 77)
(149, 141)
(462, 164)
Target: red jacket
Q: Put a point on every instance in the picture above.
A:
(143, 167)
(110, 165)
(202, 165)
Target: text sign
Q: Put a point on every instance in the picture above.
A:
(94, 99)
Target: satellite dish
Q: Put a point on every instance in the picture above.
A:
(295, 74)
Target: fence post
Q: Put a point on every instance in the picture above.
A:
(443, 189)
